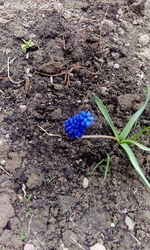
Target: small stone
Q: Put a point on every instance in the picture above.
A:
(2, 162)
(121, 31)
(146, 215)
(115, 55)
(116, 66)
(85, 183)
(29, 247)
(108, 26)
(144, 39)
(55, 66)
(23, 108)
(21, 33)
(129, 223)
(136, 22)
(110, 64)
(104, 91)
(112, 224)
(145, 54)
(1, 118)
(97, 246)
(92, 39)
(58, 87)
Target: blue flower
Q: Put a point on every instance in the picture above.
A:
(76, 126)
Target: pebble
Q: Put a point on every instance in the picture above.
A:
(144, 39)
(85, 183)
(2, 162)
(116, 66)
(97, 246)
(29, 247)
(129, 223)
(21, 33)
(110, 64)
(1, 118)
(104, 91)
(121, 31)
(23, 108)
(58, 87)
(115, 55)
(145, 54)
(108, 26)
(93, 39)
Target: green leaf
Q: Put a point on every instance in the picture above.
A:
(141, 146)
(141, 132)
(97, 165)
(134, 118)
(26, 45)
(105, 113)
(135, 164)
(107, 166)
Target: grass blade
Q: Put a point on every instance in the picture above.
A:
(105, 113)
(107, 166)
(97, 165)
(141, 146)
(134, 118)
(135, 164)
(140, 133)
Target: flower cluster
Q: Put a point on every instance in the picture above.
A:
(76, 126)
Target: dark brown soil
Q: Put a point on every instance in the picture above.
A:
(81, 48)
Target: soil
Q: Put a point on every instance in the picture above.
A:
(81, 48)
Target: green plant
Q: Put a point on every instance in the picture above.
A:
(22, 235)
(121, 138)
(26, 45)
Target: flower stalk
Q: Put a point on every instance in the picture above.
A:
(99, 136)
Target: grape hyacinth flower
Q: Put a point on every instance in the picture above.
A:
(77, 125)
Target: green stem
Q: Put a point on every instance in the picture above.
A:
(99, 136)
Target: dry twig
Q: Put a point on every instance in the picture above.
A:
(49, 134)
(77, 243)
(8, 72)
(6, 172)
(67, 73)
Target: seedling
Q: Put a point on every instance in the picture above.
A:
(76, 126)
(26, 45)
(122, 139)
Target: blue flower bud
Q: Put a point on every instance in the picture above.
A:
(76, 126)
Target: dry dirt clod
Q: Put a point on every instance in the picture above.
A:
(144, 39)
(126, 101)
(67, 238)
(34, 180)
(139, 6)
(6, 210)
(97, 246)
(56, 114)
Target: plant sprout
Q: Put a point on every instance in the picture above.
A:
(76, 127)
(26, 45)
